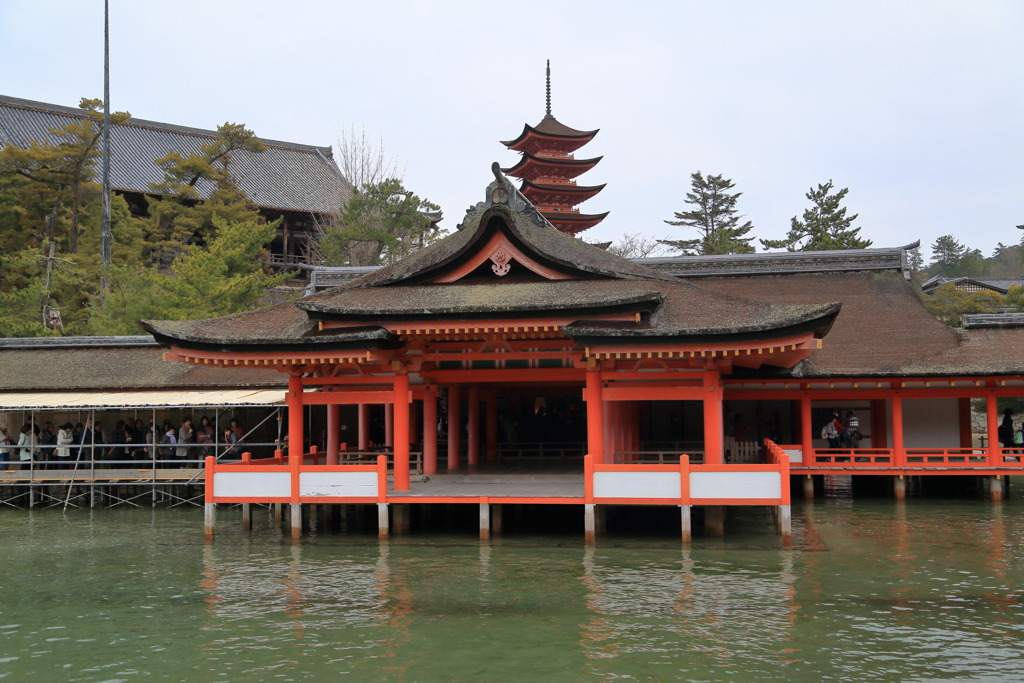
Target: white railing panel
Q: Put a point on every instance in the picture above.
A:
(338, 484)
(636, 484)
(251, 484)
(795, 454)
(735, 485)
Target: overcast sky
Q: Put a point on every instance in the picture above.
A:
(916, 106)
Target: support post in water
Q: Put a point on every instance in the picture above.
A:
(209, 520)
(402, 513)
(247, 516)
(995, 488)
(809, 487)
(899, 487)
(714, 520)
(785, 515)
(382, 521)
(485, 520)
(295, 513)
(684, 517)
(496, 519)
(589, 523)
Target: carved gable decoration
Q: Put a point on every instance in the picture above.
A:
(500, 251)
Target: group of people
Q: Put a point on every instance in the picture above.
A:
(840, 434)
(179, 445)
(45, 446)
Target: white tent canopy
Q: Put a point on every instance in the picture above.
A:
(63, 400)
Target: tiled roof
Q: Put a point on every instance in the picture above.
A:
(52, 366)
(597, 283)
(786, 262)
(286, 176)
(883, 330)
(997, 284)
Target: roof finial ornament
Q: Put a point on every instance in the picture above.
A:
(549, 89)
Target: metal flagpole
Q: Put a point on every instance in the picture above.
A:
(106, 237)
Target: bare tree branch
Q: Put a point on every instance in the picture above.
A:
(635, 245)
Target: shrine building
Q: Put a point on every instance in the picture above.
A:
(511, 363)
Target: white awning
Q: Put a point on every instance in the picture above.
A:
(61, 400)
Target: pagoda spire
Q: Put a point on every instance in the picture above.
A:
(547, 169)
(548, 112)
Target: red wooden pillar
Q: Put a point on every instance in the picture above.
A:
(806, 430)
(295, 435)
(992, 420)
(333, 433)
(400, 413)
(964, 406)
(714, 434)
(430, 431)
(634, 425)
(414, 424)
(879, 424)
(364, 426)
(899, 454)
(611, 431)
(473, 418)
(491, 417)
(595, 416)
(454, 426)
(389, 425)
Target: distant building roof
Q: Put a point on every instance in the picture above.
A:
(287, 176)
(1000, 285)
(787, 262)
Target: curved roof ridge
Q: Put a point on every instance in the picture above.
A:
(526, 224)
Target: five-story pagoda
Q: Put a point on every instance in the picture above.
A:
(548, 170)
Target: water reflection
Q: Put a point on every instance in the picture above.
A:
(921, 591)
(689, 616)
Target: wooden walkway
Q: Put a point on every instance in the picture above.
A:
(538, 486)
(89, 475)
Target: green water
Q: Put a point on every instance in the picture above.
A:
(870, 590)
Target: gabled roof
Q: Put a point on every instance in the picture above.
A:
(583, 290)
(286, 176)
(527, 227)
(1000, 285)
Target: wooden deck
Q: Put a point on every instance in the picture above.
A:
(474, 486)
(113, 475)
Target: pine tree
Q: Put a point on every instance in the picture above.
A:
(953, 259)
(222, 277)
(823, 227)
(180, 216)
(714, 216)
(380, 223)
(52, 180)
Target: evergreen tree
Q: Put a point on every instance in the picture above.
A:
(51, 181)
(713, 216)
(823, 227)
(133, 294)
(381, 223)
(914, 260)
(179, 216)
(224, 276)
(953, 259)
